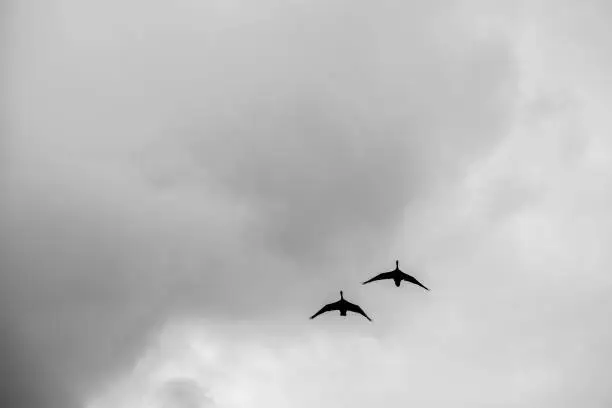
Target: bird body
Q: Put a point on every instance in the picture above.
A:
(343, 306)
(397, 276)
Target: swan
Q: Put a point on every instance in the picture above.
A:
(397, 275)
(343, 306)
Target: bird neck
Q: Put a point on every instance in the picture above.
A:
(396, 264)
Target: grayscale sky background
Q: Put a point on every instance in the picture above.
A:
(186, 182)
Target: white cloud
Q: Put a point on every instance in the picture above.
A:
(322, 369)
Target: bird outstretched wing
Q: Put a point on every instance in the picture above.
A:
(326, 308)
(384, 275)
(356, 309)
(412, 279)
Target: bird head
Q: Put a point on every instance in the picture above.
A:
(396, 264)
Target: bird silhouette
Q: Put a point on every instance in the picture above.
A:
(397, 275)
(343, 306)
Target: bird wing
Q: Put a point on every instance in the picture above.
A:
(326, 308)
(356, 309)
(384, 275)
(412, 279)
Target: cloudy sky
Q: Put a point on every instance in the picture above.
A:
(186, 182)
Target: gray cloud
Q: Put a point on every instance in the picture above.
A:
(344, 156)
(198, 158)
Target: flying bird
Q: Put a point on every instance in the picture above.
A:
(397, 275)
(343, 306)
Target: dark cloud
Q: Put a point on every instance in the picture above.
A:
(324, 163)
(27, 379)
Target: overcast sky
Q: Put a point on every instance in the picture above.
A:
(186, 182)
